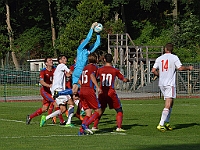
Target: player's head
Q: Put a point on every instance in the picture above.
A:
(108, 58)
(86, 46)
(168, 48)
(48, 61)
(92, 58)
(62, 59)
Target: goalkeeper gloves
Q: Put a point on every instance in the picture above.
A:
(94, 25)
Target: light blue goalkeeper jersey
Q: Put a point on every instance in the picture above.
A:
(82, 55)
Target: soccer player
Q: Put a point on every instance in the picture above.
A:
(79, 110)
(46, 77)
(82, 56)
(87, 94)
(59, 84)
(107, 75)
(83, 51)
(167, 65)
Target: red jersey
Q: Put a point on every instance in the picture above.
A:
(69, 82)
(85, 77)
(47, 76)
(107, 76)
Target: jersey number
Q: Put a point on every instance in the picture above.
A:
(84, 77)
(164, 65)
(107, 79)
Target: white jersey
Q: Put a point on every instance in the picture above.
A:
(167, 65)
(59, 77)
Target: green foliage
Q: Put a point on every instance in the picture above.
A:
(35, 41)
(148, 4)
(4, 45)
(77, 28)
(187, 37)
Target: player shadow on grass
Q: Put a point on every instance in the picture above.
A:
(125, 127)
(180, 126)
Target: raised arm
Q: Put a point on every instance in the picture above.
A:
(96, 44)
(86, 41)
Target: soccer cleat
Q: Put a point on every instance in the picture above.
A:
(64, 123)
(94, 129)
(79, 117)
(161, 128)
(120, 130)
(42, 121)
(54, 120)
(86, 129)
(28, 119)
(168, 127)
(82, 113)
(69, 125)
(81, 133)
(55, 95)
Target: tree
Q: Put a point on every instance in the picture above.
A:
(77, 28)
(52, 26)
(11, 37)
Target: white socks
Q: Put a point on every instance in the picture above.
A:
(165, 113)
(55, 113)
(70, 114)
(168, 116)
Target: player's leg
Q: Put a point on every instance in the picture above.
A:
(62, 121)
(60, 101)
(84, 127)
(96, 122)
(94, 104)
(75, 77)
(38, 111)
(168, 93)
(79, 106)
(70, 104)
(119, 119)
(50, 110)
(114, 103)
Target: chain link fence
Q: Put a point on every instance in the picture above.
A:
(24, 84)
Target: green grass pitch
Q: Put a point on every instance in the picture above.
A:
(140, 120)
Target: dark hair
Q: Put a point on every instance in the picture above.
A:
(60, 57)
(45, 60)
(108, 57)
(92, 58)
(169, 47)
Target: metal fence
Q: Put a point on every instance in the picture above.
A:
(24, 84)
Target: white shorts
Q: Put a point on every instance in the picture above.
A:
(62, 99)
(168, 91)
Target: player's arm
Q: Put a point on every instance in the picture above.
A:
(96, 44)
(86, 40)
(121, 76)
(93, 78)
(44, 83)
(185, 68)
(42, 80)
(155, 72)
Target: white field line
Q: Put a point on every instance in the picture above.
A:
(66, 135)
(48, 136)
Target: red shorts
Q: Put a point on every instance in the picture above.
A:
(109, 97)
(88, 98)
(47, 97)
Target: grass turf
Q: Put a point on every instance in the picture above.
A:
(140, 120)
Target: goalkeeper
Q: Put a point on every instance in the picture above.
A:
(82, 56)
